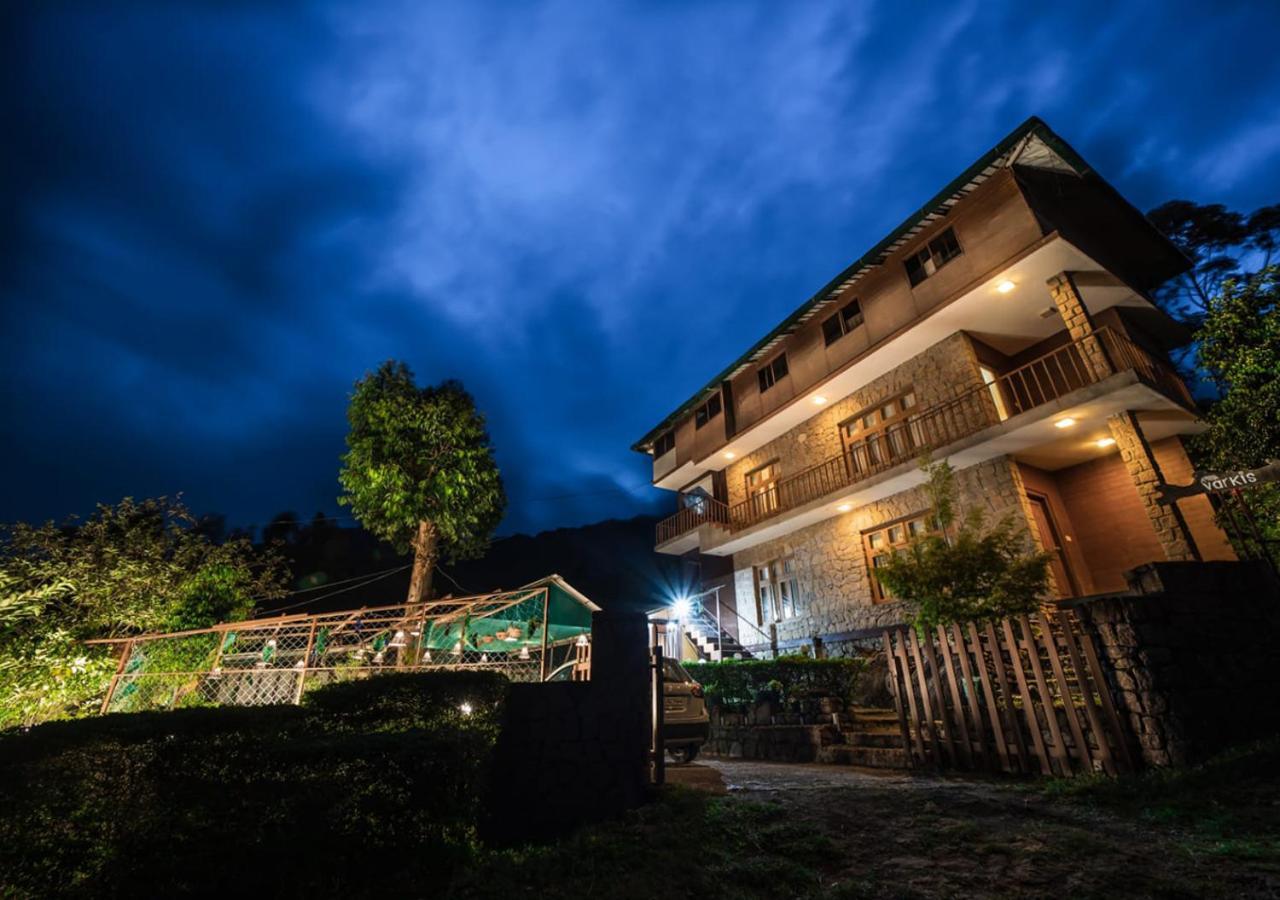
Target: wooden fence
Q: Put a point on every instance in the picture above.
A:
(1024, 695)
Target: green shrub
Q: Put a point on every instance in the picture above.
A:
(372, 787)
(738, 682)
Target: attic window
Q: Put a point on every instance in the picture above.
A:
(665, 443)
(707, 411)
(842, 323)
(772, 372)
(932, 257)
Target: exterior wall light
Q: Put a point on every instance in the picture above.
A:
(1105, 442)
(1005, 286)
(1064, 423)
(819, 400)
(729, 454)
(844, 507)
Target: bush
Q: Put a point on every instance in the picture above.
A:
(738, 682)
(372, 787)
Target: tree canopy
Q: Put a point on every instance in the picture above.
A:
(965, 571)
(419, 470)
(132, 567)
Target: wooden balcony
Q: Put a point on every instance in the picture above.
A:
(1056, 374)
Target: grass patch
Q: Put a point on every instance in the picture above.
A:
(687, 844)
(1228, 805)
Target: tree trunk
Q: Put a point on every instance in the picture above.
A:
(424, 562)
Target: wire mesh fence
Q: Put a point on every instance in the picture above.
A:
(258, 662)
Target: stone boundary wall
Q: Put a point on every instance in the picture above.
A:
(575, 752)
(1193, 656)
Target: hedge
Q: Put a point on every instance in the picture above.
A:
(739, 682)
(372, 787)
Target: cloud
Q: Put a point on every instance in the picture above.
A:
(224, 214)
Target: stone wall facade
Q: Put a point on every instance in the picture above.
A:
(1193, 656)
(831, 569)
(943, 372)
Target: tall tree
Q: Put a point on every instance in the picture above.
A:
(419, 469)
(1221, 243)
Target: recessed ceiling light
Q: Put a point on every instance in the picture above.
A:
(819, 400)
(1065, 422)
(1005, 286)
(1105, 442)
(729, 454)
(844, 507)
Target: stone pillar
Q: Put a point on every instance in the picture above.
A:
(1066, 296)
(1170, 526)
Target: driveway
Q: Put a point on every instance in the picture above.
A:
(897, 834)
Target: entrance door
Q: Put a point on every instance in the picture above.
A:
(1052, 537)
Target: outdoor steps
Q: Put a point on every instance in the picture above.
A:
(868, 737)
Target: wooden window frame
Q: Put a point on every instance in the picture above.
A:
(771, 574)
(928, 256)
(870, 553)
(838, 324)
(669, 435)
(768, 376)
(704, 414)
(766, 506)
(884, 435)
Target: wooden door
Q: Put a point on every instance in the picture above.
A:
(1051, 535)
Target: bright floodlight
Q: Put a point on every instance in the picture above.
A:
(681, 608)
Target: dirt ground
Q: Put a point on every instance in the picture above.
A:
(922, 836)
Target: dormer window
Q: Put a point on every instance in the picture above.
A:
(772, 372)
(707, 411)
(932, 257)
(843, 322)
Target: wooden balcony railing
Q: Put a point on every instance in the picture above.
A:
(1056, 374)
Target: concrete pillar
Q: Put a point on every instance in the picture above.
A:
(1167, 520)
(1075, 315)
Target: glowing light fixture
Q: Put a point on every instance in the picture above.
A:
(465, 709)
(681, 608)
(1105, 442)
(844, 507)
(729, 454)
(524, 652)
(582, 640)
(819, 400)
(1064, 423)
(1005, 286)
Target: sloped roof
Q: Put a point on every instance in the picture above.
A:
(1033, 144)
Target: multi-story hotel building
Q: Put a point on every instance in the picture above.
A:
(1006, 326)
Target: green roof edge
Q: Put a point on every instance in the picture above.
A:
(1033, 125)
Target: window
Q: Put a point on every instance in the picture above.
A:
(842, 323)
(707, 411)
(665, 443)
(932, 257)
(881, 543)
(773, 372)
(883, 435)
(776, 591)
(762, 489)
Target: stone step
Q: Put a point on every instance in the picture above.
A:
(868, 757)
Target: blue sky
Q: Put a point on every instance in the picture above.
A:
(219, 215)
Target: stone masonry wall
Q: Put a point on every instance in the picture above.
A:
(831, 567)
(1194, 656)
(944, 371)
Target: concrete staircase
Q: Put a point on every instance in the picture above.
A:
(869, 737)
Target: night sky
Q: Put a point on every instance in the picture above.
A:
(218, 215)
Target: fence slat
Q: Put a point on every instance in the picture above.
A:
(898, 688)
(1006, 695)
(1046, 699)
(1028, 707)
(949, 672)
(1104, 693)
(926, 706)
(1064, 691)
(1100, 733)
(971, 695)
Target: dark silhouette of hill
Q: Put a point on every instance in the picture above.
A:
(612, 562)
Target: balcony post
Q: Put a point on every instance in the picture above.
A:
(1167, 520)
(1070, 303)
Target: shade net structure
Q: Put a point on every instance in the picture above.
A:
(526, 634)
